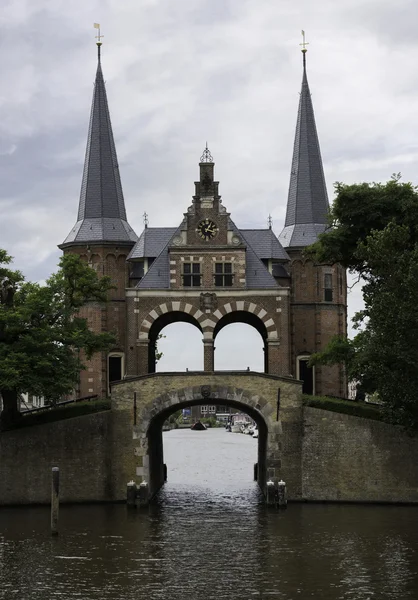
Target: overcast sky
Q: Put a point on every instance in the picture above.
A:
(180, 72)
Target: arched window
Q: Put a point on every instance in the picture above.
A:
(306, 374)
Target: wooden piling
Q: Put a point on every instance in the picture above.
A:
(131, 494)
(55, 499)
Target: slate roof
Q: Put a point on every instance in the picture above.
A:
(265, 244)
(158, 275)
(257, 275)
(307, 204)
(151, 242)
(101, 213)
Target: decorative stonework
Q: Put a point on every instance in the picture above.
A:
(208, 301)
(207, 325)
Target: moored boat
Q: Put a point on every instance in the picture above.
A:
(198, 426)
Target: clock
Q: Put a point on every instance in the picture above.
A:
(207, 229)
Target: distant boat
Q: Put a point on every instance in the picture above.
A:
(198, 426)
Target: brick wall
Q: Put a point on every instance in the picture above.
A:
(353, 459)
(109, 261)
(323, 456)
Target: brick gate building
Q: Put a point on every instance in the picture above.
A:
(207, 271)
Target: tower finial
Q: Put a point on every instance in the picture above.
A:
(304, 44)
(270, 221)
(206, 156)
(304, 49)
(145, 217)
(98, 37)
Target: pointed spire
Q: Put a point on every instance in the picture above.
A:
(101, 212)
(307, 204)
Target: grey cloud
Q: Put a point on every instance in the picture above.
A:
(225, 72)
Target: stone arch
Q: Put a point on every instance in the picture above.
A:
(189, 312)
(161, 321)
(153, 415)
(244, 306)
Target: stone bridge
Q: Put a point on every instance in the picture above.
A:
(141, 405)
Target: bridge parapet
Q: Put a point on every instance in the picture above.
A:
(275, 403)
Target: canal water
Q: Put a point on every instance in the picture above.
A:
(209, 536)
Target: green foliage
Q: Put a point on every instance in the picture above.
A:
(376, 234)
(158, 354)
(357, 211)
(58, 413)
(42, 337)
(346, 407)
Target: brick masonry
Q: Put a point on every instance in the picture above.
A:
(322, 456)
(294, 319)
(351, 459)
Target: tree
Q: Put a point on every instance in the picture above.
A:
(375, 234)
(42, 335)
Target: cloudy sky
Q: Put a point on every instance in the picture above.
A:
(180, 72)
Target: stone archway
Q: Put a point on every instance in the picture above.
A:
(209, 324)
(274, 402)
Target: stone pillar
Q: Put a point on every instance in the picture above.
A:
(142, 366)
(208, 355)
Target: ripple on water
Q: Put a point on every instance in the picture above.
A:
(208, 535)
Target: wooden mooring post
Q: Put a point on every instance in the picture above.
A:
(55, 499)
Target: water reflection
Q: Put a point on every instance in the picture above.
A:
(210, 536)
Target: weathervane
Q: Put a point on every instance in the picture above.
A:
(206, 156)
(304, 44)
(98, 37)
(270, 221)
(145, 216)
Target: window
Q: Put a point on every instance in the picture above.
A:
(223, 274)
(212, 409)
(115, 367)
(306, 374)
(191, 274)
(203, 410)
(328, 287)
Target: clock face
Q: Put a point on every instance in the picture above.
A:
(207, 229)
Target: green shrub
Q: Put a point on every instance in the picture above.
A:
(347, 407)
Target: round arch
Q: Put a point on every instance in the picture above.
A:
(249, 318)
(163, 406)
(209, 322)
(158, 325)
(179, 308)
